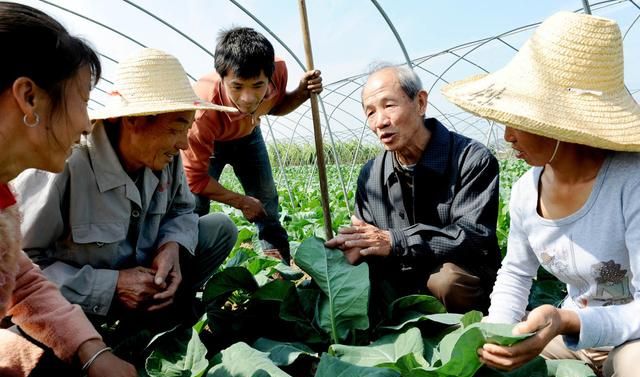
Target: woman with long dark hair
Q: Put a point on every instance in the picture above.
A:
(45, 79)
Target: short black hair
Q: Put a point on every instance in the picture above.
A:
(244, 52)
(36, 46)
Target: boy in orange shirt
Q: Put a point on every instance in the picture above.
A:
(250, 78)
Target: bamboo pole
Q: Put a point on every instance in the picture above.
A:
(317, 132)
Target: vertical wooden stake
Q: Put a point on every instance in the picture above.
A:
(317, 131)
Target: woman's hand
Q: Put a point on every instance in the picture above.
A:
(546, 322)
(110, 365)
(106, 364)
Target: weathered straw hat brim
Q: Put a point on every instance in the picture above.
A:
(155, 109)
(565, 83)
(607, 121)
(152, 82)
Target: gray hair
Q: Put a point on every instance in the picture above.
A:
(408, 79)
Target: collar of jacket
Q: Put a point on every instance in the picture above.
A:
(435, 156)
(108, 169)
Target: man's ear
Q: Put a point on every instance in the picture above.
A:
(26, 94)
(422, 97)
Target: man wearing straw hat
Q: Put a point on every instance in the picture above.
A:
(426, 207)
(247, 77)
(116, 229)
(576, 213)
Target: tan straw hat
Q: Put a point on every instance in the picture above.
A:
(566, 83)
(152, 82)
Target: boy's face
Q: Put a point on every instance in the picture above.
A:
(246, 93)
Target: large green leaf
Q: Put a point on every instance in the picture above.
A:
(416, 303)
(227, 281)
(275, 290)
(409, 310)
(179, 354)
(343, 305)
(499, 333)
(333, 367)
(244, 235)
(298, 307)
(387, 349)
(406, 364)
(487, 332)
(240, 360)
(202, 322)
(238, 257)
(283, 353)
(458, 353)
(470, 318)
(250, 312)
(412, 317)
(458, 349)
(287, 272)
(261, 263)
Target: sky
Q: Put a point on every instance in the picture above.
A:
(347, 36)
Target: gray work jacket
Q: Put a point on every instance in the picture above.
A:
(86, 223)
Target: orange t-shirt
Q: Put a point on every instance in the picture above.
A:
(212, 125)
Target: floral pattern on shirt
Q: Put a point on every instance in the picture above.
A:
(612, 283)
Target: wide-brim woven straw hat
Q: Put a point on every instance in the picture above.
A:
(152, 82)
(566, 83)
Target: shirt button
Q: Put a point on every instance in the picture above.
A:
(135, 213)
(401, 215)
(99, 244)
(96, 308)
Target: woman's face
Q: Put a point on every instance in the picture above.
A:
(65, 125)
(535, 150)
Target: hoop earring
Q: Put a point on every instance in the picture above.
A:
(31, 125)
(554, 152)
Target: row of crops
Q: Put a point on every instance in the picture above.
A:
(316, 319)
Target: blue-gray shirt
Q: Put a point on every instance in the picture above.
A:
(91, 220)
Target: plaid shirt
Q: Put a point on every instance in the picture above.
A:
(454, 212)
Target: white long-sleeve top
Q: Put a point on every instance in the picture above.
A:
(595, 251)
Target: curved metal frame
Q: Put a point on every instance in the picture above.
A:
(334, 88)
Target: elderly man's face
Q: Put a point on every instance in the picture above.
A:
(160, 138)
(390, 113)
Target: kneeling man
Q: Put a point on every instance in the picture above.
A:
(426, 207)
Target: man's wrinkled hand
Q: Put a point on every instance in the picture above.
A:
(361, 239)
(136, 287)
(168, 275)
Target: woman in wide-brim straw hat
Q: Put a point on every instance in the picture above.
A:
(577, 212)
(117, 230)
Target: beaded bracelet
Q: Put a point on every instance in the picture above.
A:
(93, 358)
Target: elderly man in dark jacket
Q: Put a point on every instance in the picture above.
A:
(426, 207)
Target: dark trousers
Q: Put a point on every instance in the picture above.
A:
(250, 162)
(460, 289)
